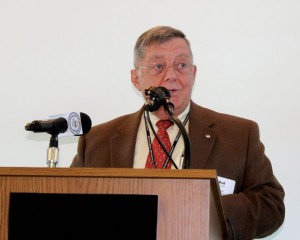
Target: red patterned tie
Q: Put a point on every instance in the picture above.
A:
(159, 155)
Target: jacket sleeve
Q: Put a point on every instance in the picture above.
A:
(257, 208)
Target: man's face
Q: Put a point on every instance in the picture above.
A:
(178, 81)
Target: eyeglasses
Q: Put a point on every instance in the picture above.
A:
(158, 69)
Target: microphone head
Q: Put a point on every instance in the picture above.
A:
(86, 123)
(158, 93)
(79, 124)
(157, 97)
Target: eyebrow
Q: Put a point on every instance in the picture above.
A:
(183, 55)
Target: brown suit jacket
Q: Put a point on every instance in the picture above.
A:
(256, 209)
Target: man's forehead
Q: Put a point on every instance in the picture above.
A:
(162, 57)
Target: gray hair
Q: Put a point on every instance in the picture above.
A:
(156, 35)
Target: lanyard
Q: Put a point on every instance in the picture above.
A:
(173, 146)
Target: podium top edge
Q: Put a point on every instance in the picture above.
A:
(108, 172)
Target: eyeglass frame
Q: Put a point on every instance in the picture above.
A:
(167, 67)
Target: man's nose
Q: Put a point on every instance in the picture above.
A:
(170, 73)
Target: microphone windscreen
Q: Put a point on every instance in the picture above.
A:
(86, 123)
(162, 92)
(157, 96)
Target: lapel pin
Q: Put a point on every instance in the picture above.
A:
(207, 136)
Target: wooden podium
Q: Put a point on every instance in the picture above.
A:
(188, 206)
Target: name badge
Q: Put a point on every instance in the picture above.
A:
(226, 185)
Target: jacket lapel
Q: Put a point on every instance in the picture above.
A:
(122, 143)
(202, 136)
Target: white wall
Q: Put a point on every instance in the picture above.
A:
(69, 55)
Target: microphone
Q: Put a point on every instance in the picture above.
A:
(161, 96)
(74, 123)
(158, 96)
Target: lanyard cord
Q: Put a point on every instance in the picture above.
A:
(169, 154)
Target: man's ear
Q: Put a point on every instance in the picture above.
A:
(135, 79)
(195, 70)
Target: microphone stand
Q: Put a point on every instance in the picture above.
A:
(52, 153)
(169, 109)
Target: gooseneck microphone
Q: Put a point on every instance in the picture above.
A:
(160, 96)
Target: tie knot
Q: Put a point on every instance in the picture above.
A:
(164, 124)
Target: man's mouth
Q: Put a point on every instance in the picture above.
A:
(172, 91)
